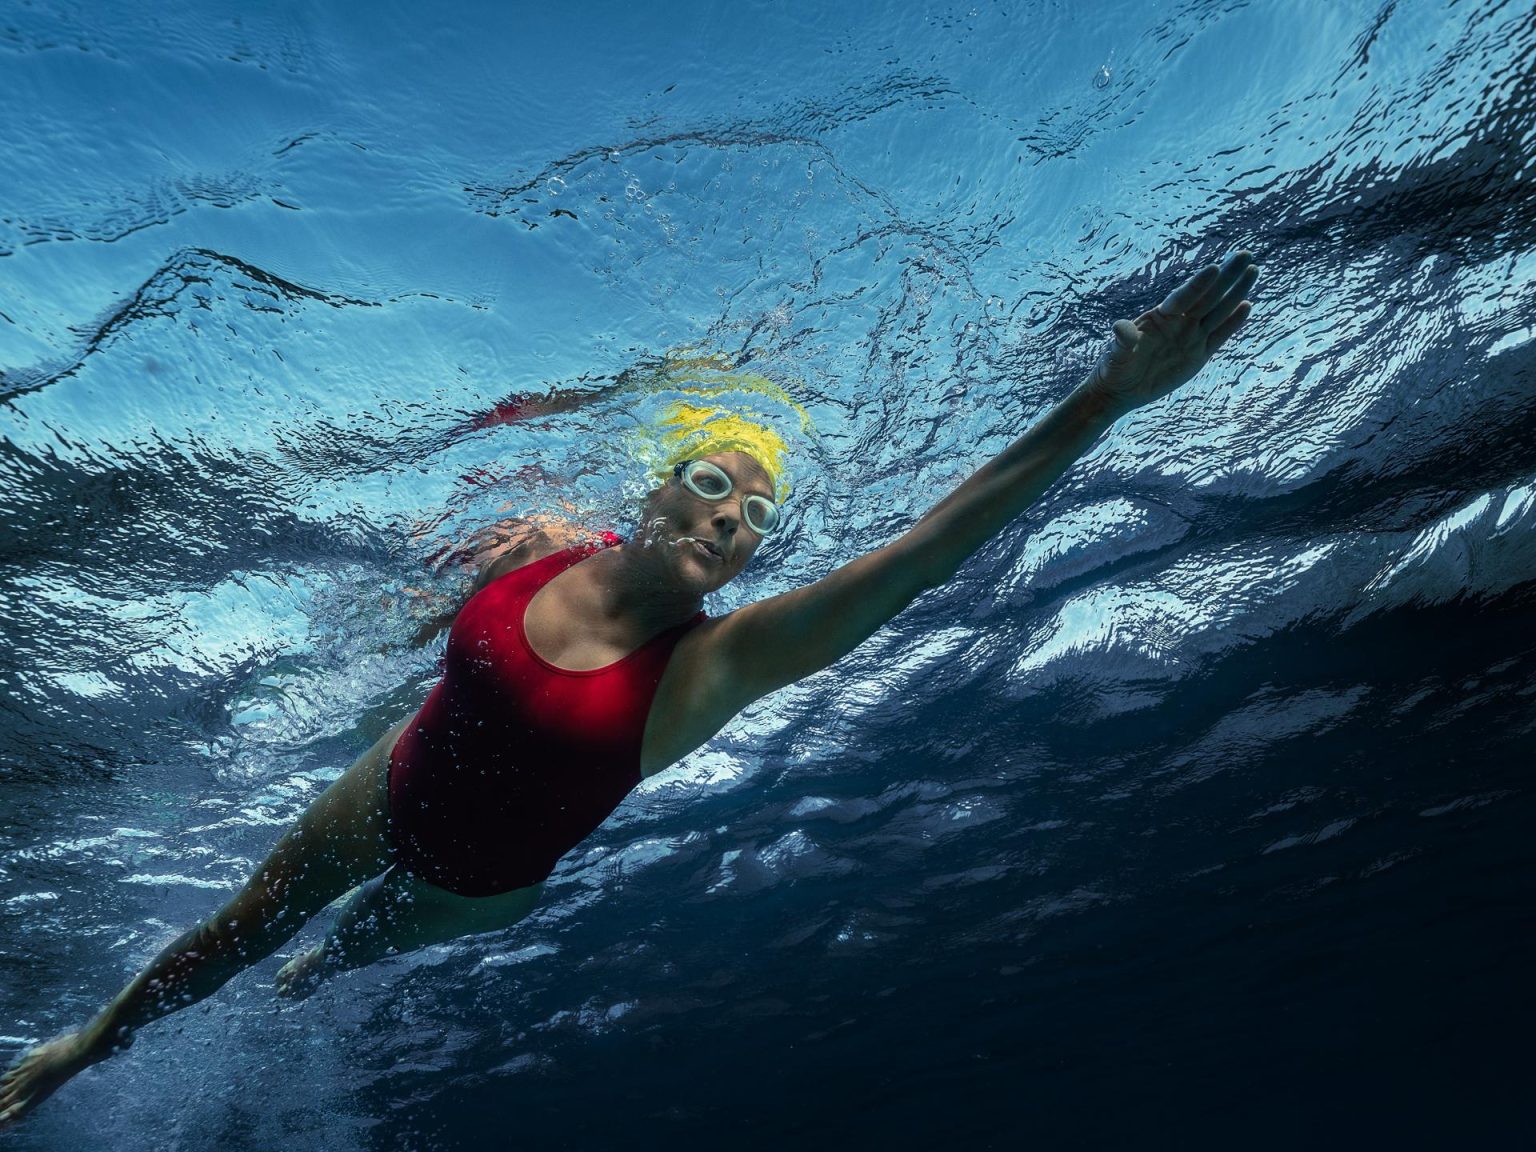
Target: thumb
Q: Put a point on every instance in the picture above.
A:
(1123, 349)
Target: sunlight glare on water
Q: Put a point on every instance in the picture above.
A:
(1130, 822)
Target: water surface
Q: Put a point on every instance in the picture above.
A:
(1194, 813)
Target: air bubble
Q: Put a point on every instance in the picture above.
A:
(1106, 73)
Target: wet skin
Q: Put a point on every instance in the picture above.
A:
(687, 547)
(607, 605)
(708, 536)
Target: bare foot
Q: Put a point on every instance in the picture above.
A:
(302, 975)
(37, 1074)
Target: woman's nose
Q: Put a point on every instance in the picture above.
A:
(727, 514)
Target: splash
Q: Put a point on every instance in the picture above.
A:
(653, 530)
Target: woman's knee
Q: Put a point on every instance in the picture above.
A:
(255, 923)
(304, 873)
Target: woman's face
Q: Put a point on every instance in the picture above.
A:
(709, 541)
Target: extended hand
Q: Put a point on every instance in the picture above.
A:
(1168, 345)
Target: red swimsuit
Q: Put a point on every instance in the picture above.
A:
(512, 761)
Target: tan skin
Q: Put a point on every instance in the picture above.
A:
(595, 613)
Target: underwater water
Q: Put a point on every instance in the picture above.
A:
(1194, 813)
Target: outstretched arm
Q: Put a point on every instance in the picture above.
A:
(522, 406)
(774, 642)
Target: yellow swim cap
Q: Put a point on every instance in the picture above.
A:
(689, 431)
(692, 427)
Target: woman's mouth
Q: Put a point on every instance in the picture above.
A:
(703, 547)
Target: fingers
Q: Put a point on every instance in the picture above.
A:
(1206, 288)
(1229, 301)
(1183, 298)
(1233, 269)
(1228, 326)
(13, 1110)
(1127, 336)
(13, 1100)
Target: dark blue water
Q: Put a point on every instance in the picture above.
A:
(1195, 813)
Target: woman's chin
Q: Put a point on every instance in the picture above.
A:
(699, 570)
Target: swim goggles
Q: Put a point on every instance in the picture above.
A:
(708, 482)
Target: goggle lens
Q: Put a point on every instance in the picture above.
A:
(761, 515)
(708, 482)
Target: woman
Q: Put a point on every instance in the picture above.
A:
(577, 670)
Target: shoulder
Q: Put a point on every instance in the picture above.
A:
(521, 540)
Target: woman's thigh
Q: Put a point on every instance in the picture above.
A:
(339, 841)
(350, 819)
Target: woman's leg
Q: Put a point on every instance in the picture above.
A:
(341, 839)
(395, 913)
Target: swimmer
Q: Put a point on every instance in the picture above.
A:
(578, 668)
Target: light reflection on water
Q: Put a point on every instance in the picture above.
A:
(1267, 645)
